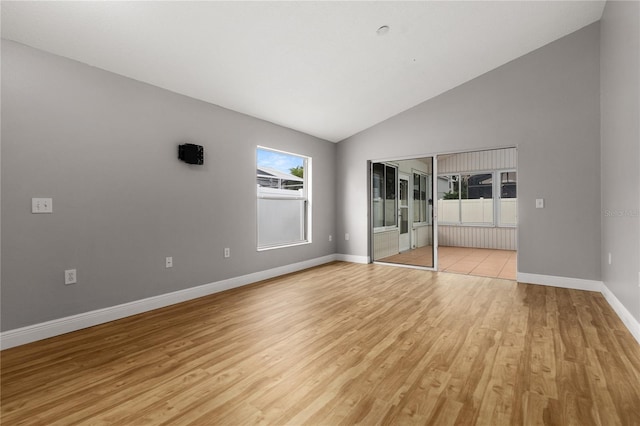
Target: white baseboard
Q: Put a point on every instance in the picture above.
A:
(32, 333)
(632, 324)
(352, 258)
(564, 282)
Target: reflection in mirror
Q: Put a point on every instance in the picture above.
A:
(402, 212)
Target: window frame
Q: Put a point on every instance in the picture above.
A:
(498, 211)
(305, 196)
(496, 197)
(427, 178)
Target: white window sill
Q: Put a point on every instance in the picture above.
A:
(301, 243)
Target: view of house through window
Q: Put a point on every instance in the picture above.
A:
(284, 197)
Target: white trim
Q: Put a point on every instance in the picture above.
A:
(434, 212)
(32, 333)
(632, 324)
(352, 258)
(385, 229)
(564, 282)
(266, 248)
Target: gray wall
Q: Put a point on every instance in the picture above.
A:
(546, 104)
(105, 147)
(620, 112)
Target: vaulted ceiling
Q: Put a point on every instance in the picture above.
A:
(322, 68)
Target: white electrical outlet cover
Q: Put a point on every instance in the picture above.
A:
(70, 276)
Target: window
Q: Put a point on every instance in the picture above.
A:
(468, 198)
(385, 182)
(508, 198)
(420, 190)
(284, 198)
(404, 205)
(476, 194)
(449, 198)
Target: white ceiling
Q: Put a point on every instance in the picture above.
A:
(317, 67)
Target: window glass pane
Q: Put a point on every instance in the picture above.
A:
(508, 200)
(404, 193)
(420, 198)
(404, 220)
(280, 222)
(416, 197)
(282, 198)
(476, 198)
(423, 198)
(378, 195)
(404, 205)
(508, 184)
(280, 170)
(478, 186)
(390, 193)
(390, 196)
(449, 198)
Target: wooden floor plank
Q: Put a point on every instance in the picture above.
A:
(340, 344)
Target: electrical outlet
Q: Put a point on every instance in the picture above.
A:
(539, 203)
(41, 205)
(70, 276)
(169, 262)
(609, 258)
(227, 252)
(346, 237)
(330, 237)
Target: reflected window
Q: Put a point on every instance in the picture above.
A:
(384, 183)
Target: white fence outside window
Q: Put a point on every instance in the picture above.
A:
(281, 214)
(479, 211)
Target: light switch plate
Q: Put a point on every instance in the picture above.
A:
(41, 205)
(539, 203)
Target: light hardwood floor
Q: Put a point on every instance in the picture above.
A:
(341, 344)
